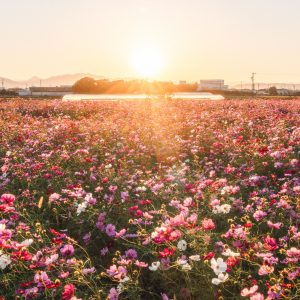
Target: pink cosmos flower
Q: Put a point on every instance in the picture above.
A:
(164, 296)
(104, 251)
(110, 230)
(208, 224)
(274, 225)
(121, 233)
(257, 296)
(124, 195)
(141, 264)
(192, 218)
(113, 294)
(270, 244)
(64, 275)
(265, 270)
(88, 271)
(113, 188)
(42, 279)
(68, 292)
(54, 197)
(67, 250)
(296, 189)
(117, 272)
(131, 254)
(87, 237)
(249, 292)
(31, 293)
(259, 214)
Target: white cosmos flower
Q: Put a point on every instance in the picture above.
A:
(125, 279)
(219, 266)
(120, 288)
(186, 267)
(51, 259)
(154, 266)
(225, 208)
(221, 209)
(182, 245)
(26, 243)
(4, 261)
(230, 253)
(221, 278)
(88, 197)
(81, 208)
(195, 257)
(141, 189)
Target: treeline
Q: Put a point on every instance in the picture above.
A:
(4, 92)
(89, 85)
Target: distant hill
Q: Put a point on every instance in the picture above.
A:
(67, 79)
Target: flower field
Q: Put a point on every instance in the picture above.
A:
(150, 200)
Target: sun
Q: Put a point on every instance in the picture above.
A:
(147, 61)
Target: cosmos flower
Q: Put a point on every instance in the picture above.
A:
(68, 292)
(4, 260)
(182, 245)
(220, 279)
(154, 266)
(249, 292)
(218, 265)
(67, 250)
(110, 230)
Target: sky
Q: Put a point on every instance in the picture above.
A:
(191, 39)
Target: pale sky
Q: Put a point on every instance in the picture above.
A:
(195, 39)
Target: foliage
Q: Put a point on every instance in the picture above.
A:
(88, 85)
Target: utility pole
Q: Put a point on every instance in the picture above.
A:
(253, 82)
(2, 83)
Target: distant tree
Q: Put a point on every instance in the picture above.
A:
(84, 85)
(88, 85)
(273, 91)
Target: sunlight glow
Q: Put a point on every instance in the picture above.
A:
(147, 61)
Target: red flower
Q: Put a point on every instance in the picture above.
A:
(231, 262)
(21, 255)
(68, 292)
(105, 180)
(209, 256)
(8, 199)
(167, 252)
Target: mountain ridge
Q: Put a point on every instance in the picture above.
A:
(57, 80)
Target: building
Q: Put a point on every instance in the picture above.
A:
(213, 84)
(284, 92)
(23, 92)
(182, 82)
(58, 91)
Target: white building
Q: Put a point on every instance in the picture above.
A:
(24, 92)
(213, 84)
(51, 91)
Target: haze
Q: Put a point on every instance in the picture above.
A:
(195, 39)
